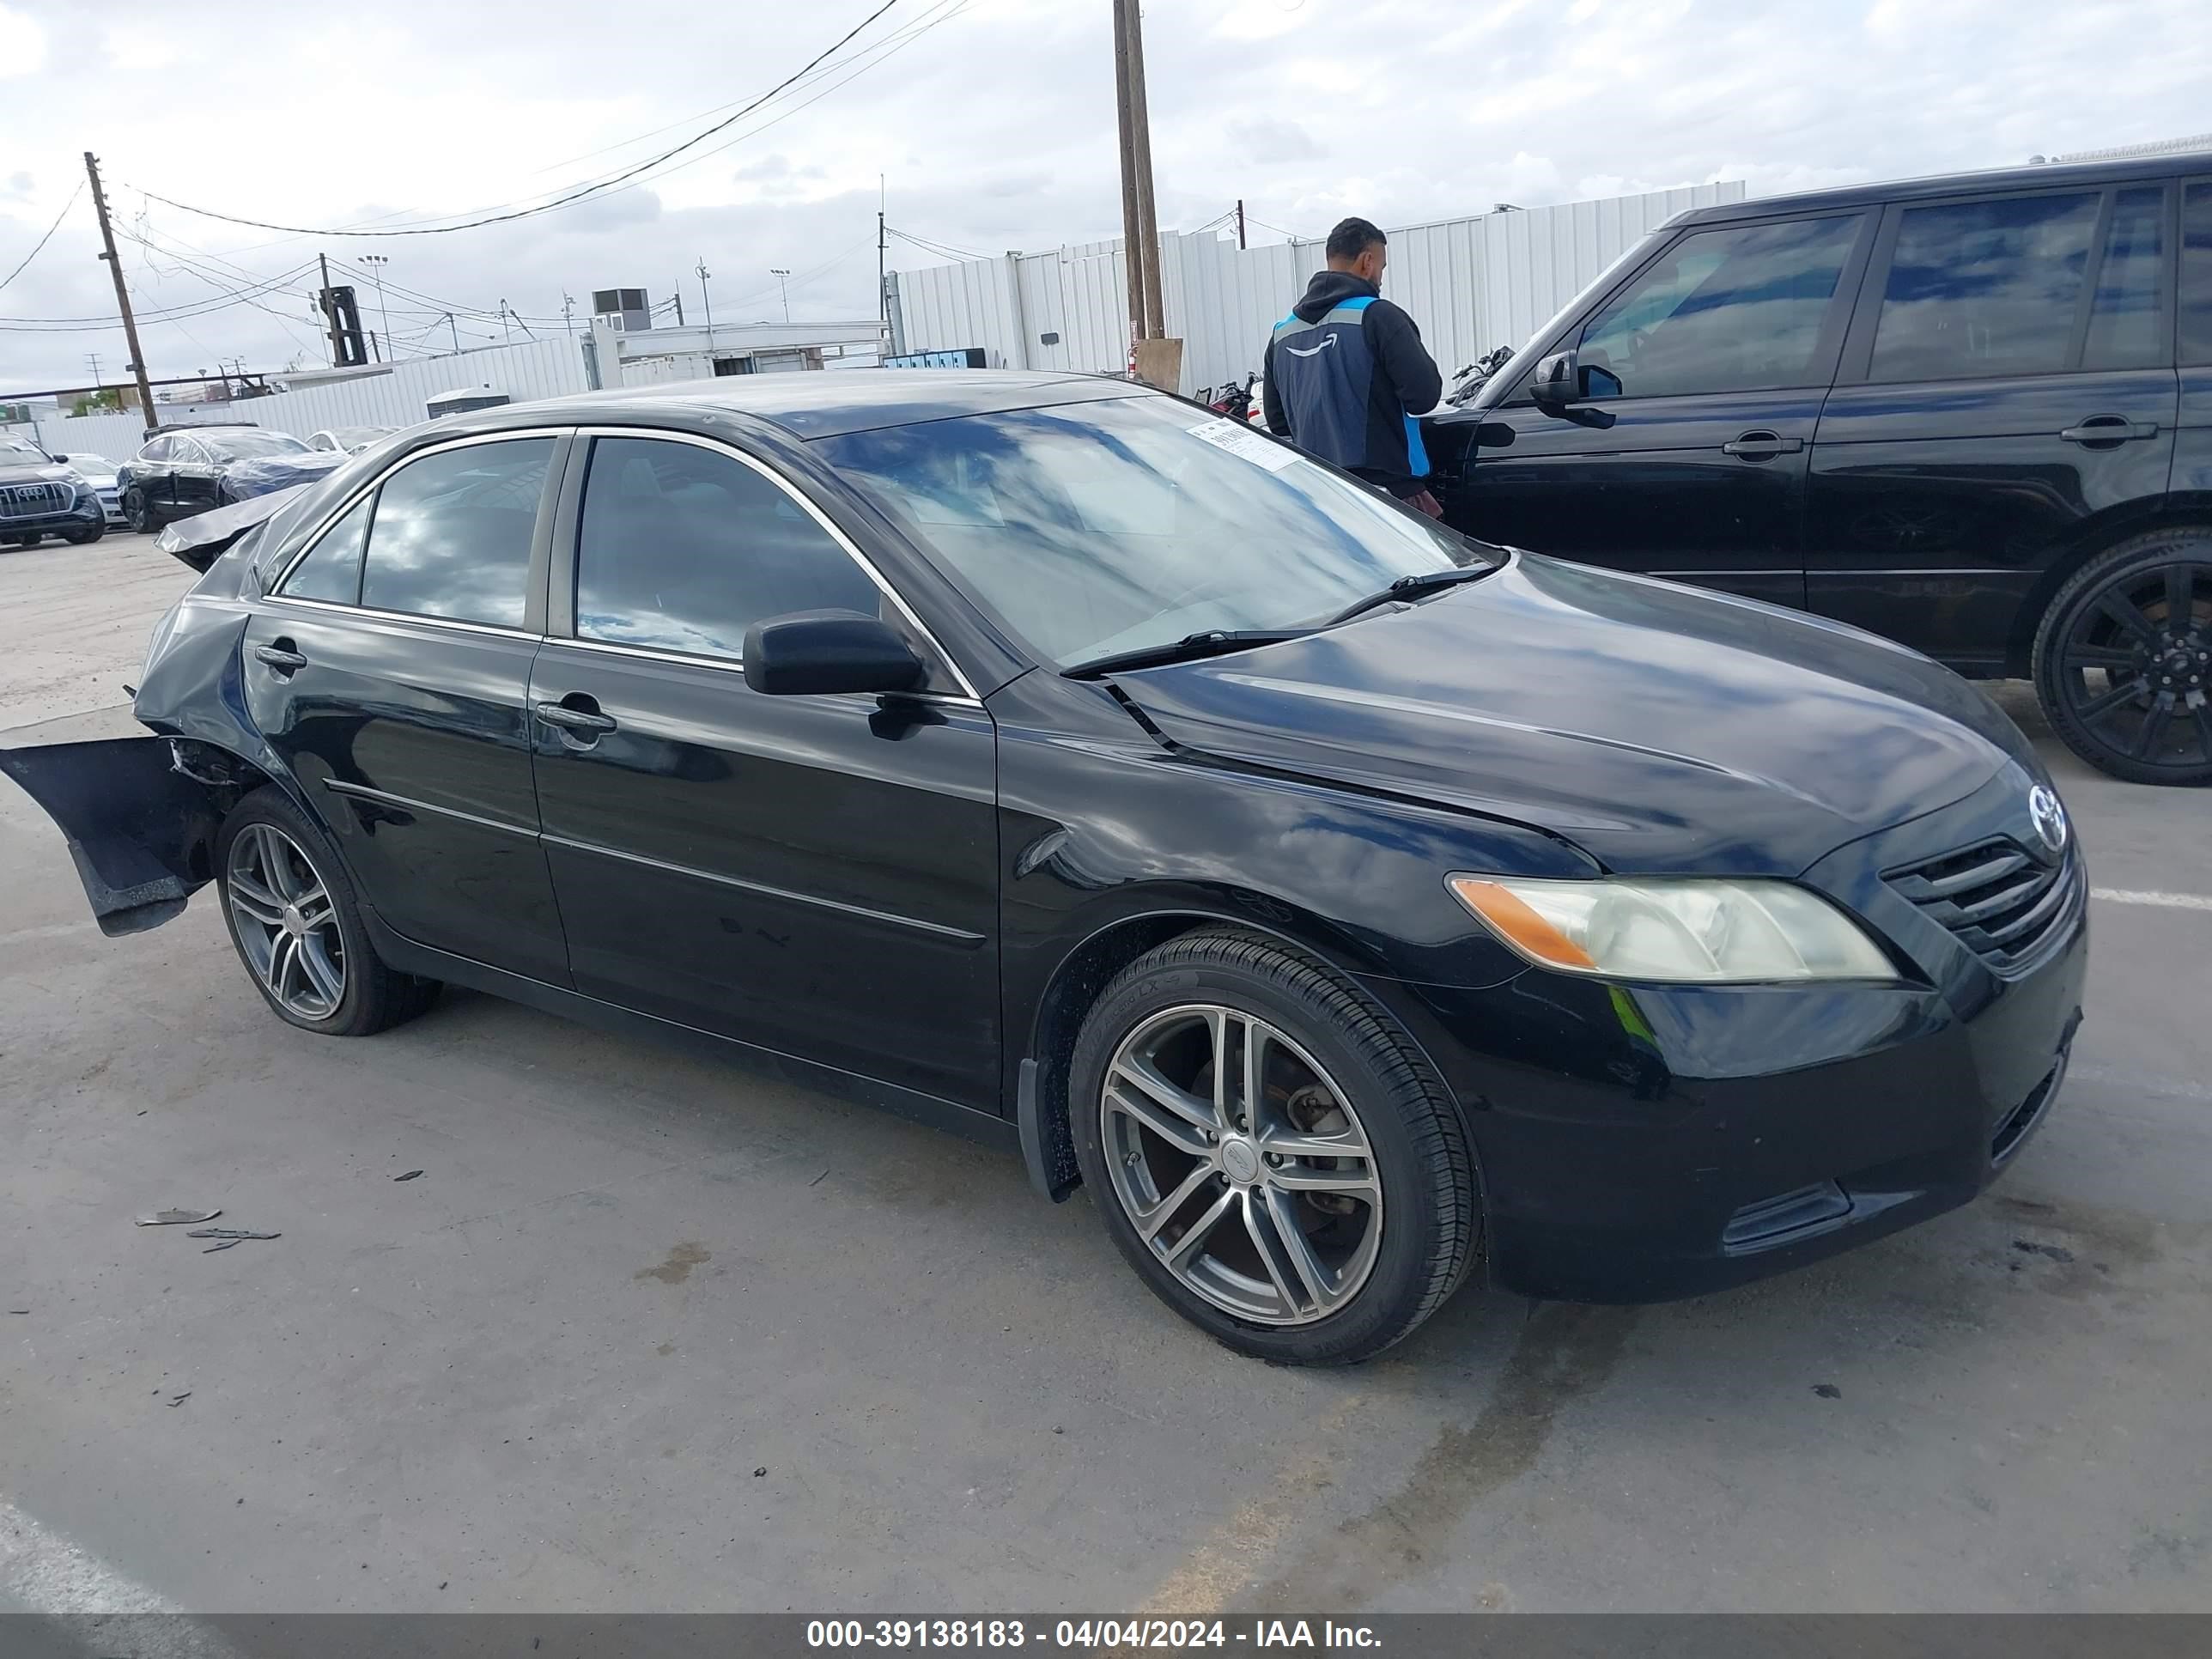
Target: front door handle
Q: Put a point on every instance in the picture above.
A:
(569, 718)
(2109, 430)
(280, 657)
(1761, 446)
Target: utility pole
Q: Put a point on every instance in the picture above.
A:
(92, 361)
(455, 329)
(782, 275)
(1133, 245)
(330, 312)
(707, 299)
(883, 293)
(1140, 126)
(1240, 224)
(568, 313)
(122, 288)
(679, 303)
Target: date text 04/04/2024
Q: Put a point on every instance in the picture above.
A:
(1084, 1634)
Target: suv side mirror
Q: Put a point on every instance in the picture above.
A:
(1560, 382)
(814, 652)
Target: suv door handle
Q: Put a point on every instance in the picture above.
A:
(1761, 446)
(280, 657)
(570, 718)
(2109, 430)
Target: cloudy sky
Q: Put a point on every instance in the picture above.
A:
(993, 121)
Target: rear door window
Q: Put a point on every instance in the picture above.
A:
(682, 548)
(451, 533)
(1988, 288)
(2197, 273)
(1742, 308)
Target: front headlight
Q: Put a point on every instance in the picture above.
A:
(1698, 932)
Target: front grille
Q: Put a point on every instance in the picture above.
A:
(31, 500)
(1998, 899)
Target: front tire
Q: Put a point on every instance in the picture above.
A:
(135, 509)
(1269, 1152)
(87, 535)
(295, 924)
(2123, 661)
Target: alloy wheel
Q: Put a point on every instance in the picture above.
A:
(133, 510)
(1241, 1164)
(2135, 668)
(286, 923)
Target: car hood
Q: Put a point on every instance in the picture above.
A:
(24, 472)
(1662, 728)
(280, 471)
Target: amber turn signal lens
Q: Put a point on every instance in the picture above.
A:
(1520, 927)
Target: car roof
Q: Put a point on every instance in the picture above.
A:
(2087, 174)
(821, 404)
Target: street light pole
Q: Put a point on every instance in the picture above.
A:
(376, 263)
(782, 274)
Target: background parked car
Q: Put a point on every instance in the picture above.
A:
(99, 473)
(179, 472)
(349, 439)
(40, 494)
(1971, 413)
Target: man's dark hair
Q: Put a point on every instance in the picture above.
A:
(1351, 239)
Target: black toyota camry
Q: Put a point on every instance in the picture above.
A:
(1348, 905)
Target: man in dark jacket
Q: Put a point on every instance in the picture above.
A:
(1347, 372)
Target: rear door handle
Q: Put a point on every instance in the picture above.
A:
(570, 719)
(1761, 446)
(2109, 430)
(284, 660)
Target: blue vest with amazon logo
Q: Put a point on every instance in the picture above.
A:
(1324, 371)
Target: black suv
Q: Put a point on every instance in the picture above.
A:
(1971, 413)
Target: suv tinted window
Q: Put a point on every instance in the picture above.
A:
(682, 548)
(1731, 310)
(1984, 288)
(451, 535)
(2196, 274)
(2125, 315)
(332, 569)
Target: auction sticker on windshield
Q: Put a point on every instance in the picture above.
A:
(1242, 440)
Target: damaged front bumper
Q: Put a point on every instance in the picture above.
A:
(141, 829)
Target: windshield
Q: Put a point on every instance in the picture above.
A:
(16, 451)
(1091, 529)
(254, 445)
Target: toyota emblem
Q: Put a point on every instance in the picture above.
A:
(2048, 817)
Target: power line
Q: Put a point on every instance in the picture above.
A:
(943, 249)
(46, 238)
(565, 200)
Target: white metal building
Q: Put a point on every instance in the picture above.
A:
(1471, 283)
(649, 356)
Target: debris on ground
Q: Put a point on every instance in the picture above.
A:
(817, 1180)
(410, 1175)
(19, 1311)
(178, 1218)
(178, 1399)
(2056, 1252)
(760, 1471)
(230, 1237)
(1827, 1391)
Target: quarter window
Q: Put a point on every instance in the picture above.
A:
(2125, 317)
(157, 449)
(451, 533)
(1739, 309)
(1984, 288)
(682, 549)
(2196, 274)
(332, 569)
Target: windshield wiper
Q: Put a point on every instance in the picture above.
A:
(1412, 587)
(1213, 642)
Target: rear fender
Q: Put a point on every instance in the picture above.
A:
(141, 833)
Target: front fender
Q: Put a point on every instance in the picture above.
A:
(141, 834)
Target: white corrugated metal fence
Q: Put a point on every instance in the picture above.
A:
(1472, 284)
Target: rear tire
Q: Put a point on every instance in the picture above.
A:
(2123, 661)
(297, 928)
(135, 509)
(1326, 1250)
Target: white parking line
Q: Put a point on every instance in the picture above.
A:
(45, 1572)
(2165, 901)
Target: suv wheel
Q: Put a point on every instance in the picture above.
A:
(291, 915)
(91, 533)
(2123, 659)
(1268, 1151)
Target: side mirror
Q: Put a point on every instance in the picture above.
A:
(59, 460)
(809, 652)
(1561, 382)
